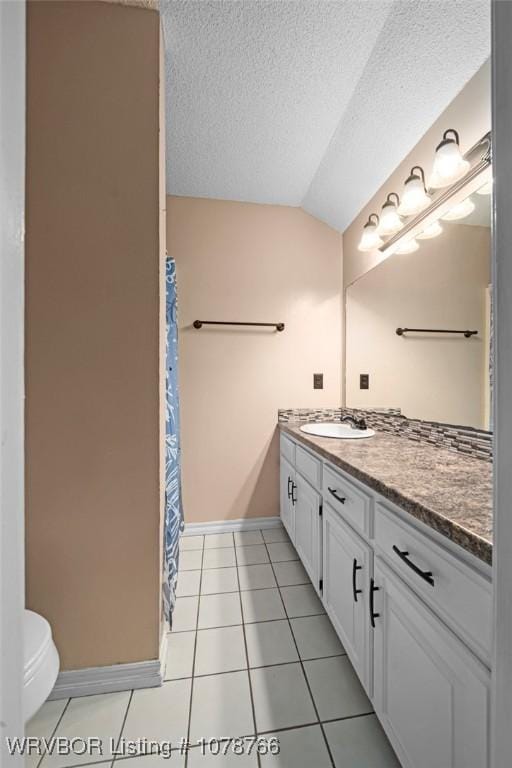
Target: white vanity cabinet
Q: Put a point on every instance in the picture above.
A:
(287, 496)
(308, 511)
(412, 610)
(430, 692)
(301, 506)
(347, 562)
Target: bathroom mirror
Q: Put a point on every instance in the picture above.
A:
(444, 285)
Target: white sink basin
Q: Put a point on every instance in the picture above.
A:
(341, 431)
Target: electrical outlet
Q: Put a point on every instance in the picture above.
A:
(364, 381)
(318, 381)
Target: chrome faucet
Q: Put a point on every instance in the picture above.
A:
(356, 423)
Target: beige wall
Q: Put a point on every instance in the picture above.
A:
(470, 114)
(428, 377)
(238, 261)
(92, 322)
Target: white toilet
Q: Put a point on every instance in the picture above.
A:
(41, 662)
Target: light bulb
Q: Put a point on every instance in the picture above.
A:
(414, 196)
(432, 230)
(486, 189)
(390, 221)
(460, 211)
(407, 246)
(449, 164)
(370, 239)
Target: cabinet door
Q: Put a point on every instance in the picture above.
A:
(307, 528)
(347, 561)
(287, 496)
(431, 693)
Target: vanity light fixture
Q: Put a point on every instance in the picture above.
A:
(432, 230)
(414, 196)
(486, 189)
(460, 211)
(407, 246)
(390, 221)
(449, 164)
(417, 215)
(370, 239)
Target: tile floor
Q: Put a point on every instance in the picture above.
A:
(251, 653)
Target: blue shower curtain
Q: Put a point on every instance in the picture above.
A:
(173, 519)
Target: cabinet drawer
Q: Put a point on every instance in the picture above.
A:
(352, 503)
(288, 449)
(309, 467)
(461, 596)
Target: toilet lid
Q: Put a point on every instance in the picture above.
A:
(37, 637)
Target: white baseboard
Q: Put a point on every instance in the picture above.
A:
(118, 677)
(227, 526)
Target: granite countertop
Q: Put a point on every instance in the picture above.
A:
(447, 491)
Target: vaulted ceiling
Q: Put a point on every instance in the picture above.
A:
(309, 103)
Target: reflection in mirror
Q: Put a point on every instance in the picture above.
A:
(444, 284)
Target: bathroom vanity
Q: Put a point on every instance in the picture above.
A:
(396, 538)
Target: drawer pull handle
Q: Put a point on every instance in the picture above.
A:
(290, 487)
(373, 615)
(355, 569)
(332, 491)
(294, 498)
(404, 556)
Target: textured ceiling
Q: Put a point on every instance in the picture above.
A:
(309, 102)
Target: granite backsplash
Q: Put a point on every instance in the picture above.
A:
(466, 440)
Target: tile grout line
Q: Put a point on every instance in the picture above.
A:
(302, 666)
(349, 717)
(258, 621)
(185, 763)
(235, 591)
(313, 723)
(109, 761)
(258, 757)
(229, 591)
(260, 666)
(54, 730)
(123, 725)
